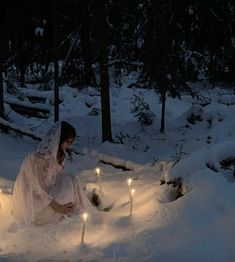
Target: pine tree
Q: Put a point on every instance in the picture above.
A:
(163, 60)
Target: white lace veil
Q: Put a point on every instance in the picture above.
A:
(49, 145)
(38, 182)
(36, 177)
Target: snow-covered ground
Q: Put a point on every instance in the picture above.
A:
(198, 226)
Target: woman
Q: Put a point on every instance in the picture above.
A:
(44, 193)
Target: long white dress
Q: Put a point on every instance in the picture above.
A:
(42, 179)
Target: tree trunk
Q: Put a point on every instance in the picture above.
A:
(2, 51)
(86, 45)
(163, 99)
(56, 67)
(21, 62)
(212, 69)
(104, 77)
(1, 92)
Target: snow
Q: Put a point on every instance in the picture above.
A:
(11, 100)
(39, 31)
(198, 226)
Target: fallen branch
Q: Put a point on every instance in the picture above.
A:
(116, 165)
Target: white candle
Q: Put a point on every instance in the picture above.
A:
(98, 176)
(0, 201)
(129, 182)
(131, 200)
(84, 217)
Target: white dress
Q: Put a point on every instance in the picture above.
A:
(42, 179)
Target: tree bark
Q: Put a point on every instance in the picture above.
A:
(56, 66)
(3, 31)
(1, 92)
(104, 77)
(163, 99)
(21, 62)
(86, 44)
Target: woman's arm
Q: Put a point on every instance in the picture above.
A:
(41, 172)
(61, 208)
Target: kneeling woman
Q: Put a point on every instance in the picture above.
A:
(44, 193)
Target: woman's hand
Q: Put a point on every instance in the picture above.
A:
(61, 208)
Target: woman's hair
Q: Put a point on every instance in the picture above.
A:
(67, 132)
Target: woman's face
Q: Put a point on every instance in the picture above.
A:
(66, 144)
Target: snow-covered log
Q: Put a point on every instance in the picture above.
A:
(26, 108)
(35, 96)
(6, 126)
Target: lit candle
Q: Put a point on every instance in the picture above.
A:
(84, 217)
(0, 201)
(98, 175)
(129, 182)
(131, 200)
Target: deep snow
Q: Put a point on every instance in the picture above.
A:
(199, 226)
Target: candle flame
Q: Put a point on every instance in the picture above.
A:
(97, 170)
(129, 181)
(84, 216)
(132, 192)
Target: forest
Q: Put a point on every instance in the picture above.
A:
(82, 43)
(117, 124)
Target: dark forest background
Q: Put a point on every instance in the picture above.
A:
(168, 42)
